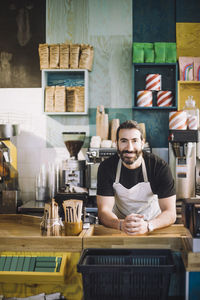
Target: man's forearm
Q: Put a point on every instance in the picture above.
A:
(109, 219)
(166, 218)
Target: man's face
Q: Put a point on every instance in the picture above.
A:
(129, 145)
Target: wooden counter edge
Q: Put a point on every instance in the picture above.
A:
(21, 218)
(41, 243)
(191, 259)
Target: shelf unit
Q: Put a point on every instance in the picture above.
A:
(65, 77)
(188, 88)
(169, 77)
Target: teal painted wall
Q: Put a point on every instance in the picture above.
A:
(154, 21)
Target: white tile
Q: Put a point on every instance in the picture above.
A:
(28, 170)
(30, 140)
(26, 197)
(29, 155)
(27, 185)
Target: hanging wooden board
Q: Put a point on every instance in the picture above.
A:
(188, 39)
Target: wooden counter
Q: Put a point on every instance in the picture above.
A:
(99, 236)
(22, 233)
(191, 259)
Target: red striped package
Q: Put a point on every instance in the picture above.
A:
(192, 122)
(178, 120)
(164, 98)
(144, 98)
(153, 82)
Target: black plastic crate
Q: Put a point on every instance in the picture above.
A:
(126, 273)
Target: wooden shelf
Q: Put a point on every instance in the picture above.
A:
(155, 108)
(65, 77)
(169, 74)
(188, 88)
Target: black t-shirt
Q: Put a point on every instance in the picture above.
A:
(158, 172)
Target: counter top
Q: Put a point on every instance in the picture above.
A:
(22, 233)
(99, 236)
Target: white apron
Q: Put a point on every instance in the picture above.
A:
(139, 199)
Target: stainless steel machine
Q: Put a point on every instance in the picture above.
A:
(182, 161)
(94, 157)
(73, 170)
(8, 169)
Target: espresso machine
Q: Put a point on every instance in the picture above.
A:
(182, 161)
(73, 170)
(94, 157)
(8, 169)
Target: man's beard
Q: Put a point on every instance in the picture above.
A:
(129, 160)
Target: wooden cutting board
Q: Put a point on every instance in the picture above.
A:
(102, 123)
(114, 125)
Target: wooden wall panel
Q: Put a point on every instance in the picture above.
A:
(188, 39)
(107, 25)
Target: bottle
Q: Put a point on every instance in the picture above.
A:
(192, 113)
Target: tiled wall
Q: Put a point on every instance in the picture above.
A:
(24, 107)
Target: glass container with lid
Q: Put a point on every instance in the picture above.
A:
(191, 109)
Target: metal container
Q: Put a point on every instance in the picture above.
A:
(8, 130)
(73, 173)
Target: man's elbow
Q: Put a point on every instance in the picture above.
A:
(173, 217)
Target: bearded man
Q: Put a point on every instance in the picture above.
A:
(135, 189)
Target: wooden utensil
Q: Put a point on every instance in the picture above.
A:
(72, 210)
(114, 125)
(102, 124)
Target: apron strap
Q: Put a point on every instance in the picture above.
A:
(118, 171)
(144, 171)
(119, 165)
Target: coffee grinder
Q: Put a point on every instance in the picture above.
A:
(73, 170)
(182, 161)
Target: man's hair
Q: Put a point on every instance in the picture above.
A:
(130, 124)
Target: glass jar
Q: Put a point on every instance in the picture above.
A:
(51, 227)
(192, 111)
